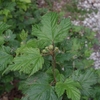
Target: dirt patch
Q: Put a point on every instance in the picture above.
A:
(14, 93)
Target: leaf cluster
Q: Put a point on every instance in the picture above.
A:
(57, 75)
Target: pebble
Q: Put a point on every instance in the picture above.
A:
(92, 21)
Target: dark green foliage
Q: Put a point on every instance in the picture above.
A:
(51, 60)
(20, 14)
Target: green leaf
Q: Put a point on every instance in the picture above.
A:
(7, 79)
(1, 40)
(38, 77)
(5, 59)
(29, 62)
(3, 27)
(26, 1)
(60, 77)
(86, 80)
(6, 12)
(36, 43)
(77, 28)
(62, 30)
(10, 6)
(9, 36)
(60, 88)
(40, 91)
(32, 43)
(70, 87)
(76, 44)
(23, 35)
(97, 92)
(51, 31)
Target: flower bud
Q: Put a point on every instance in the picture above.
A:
(44, 51)
(50, 47)
(46, 48)
(56, 49)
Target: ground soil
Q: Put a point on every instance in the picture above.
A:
(14, 92)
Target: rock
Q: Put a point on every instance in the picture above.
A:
(5, 98)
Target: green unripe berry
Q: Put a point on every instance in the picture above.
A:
(46, 48)
(44, 51)
(22, 43)
(56, 49)
(50, 47)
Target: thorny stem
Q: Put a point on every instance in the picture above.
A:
(53, 64)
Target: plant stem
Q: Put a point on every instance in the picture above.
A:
(53, 64)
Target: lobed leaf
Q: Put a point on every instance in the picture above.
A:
(3, 27)
(29, 62)
(70, 87)
(5, 59)
(40, 91)
(86, 80)
(51, 31)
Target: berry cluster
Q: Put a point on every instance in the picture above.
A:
(50, 50)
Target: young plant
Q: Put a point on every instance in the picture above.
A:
(56, 61)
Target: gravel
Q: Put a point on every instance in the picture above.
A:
(92, 21)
